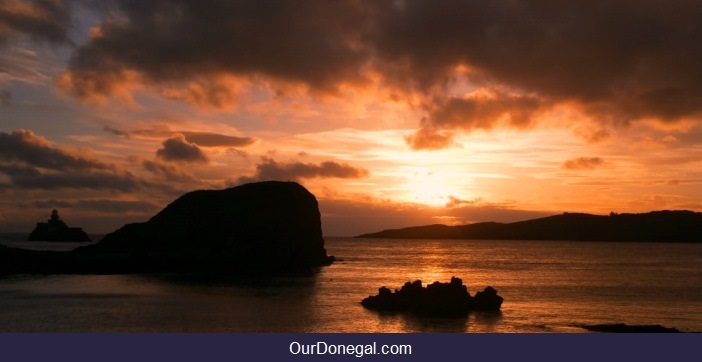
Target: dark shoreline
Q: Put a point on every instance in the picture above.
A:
(666, 226)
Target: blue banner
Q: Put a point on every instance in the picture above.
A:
(347, 347)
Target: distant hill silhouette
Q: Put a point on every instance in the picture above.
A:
(258, 228)
(659, 226)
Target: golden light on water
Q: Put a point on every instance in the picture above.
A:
(432, 263)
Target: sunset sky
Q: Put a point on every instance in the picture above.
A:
(393, 113)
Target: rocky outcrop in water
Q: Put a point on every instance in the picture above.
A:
(626, 328)
(435, 300)
(55, 229)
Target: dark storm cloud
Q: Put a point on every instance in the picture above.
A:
(203, 139)
(206, 139)
(41, 19)
(100, 205)
(51, 204)
(19, 171)
(310, 42)
(269, 169)
(615, 61)
(478, 112)
(483, 112)
(590, 51)
(168, 172)
(583, 163)
(5, 97)
(31, 162)
(178, 148)
(117, 132)
(27, 177)
(24, 146)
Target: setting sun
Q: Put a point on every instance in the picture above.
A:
(426, 187)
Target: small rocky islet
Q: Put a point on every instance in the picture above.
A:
(626, 328)
(437, 299)
(55, 229)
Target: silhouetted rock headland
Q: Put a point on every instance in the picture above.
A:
(435, 300)
(260, 228)
(55, 229)
(655, 226)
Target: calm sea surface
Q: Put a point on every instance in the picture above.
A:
(548, 286)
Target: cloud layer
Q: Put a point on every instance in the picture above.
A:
(178, 148)
(199, 43)
(25, 177)
(31, 162)
(269, 170)
(24, 146)
(583, 163)
(42, 19)
(613, 62)
(203, 139)
(99, 205)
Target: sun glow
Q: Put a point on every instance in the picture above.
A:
(429, 188)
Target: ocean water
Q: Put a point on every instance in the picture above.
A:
(548, 286)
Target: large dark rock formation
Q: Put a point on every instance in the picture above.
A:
(435, 300)
(655, 226)
(267, 227)
(56, 230)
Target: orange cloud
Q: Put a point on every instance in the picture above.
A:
(168, 172)
(632, 61)
(203, 139)
(30, 162)
(593, 134)
(26, 147)
(198, 43)
(97, 86)
(47, 20)
(480, 110)
(269, 169)
(583, 163)
(178, 149)
(429, 139)
(212, 93)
